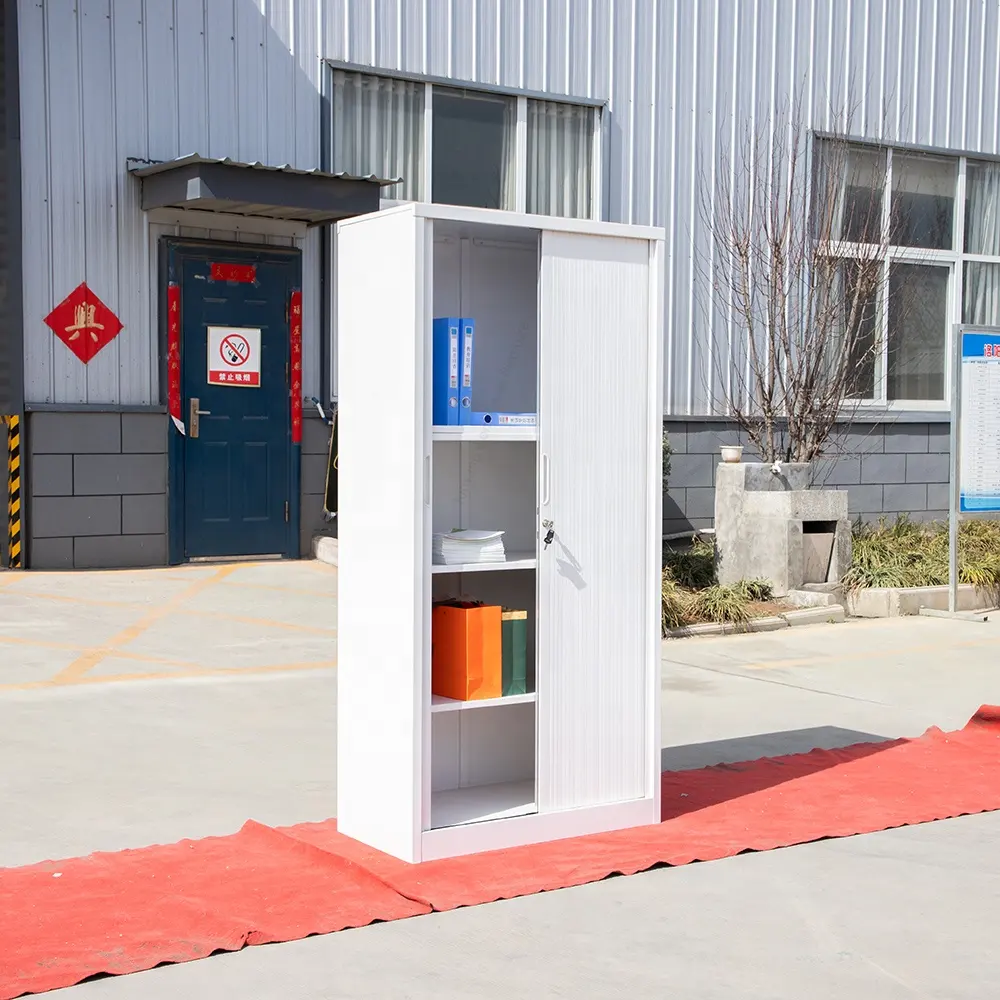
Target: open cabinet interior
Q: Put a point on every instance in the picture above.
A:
(483, 751)
(483, 764)
(487, 485)
(490, 273)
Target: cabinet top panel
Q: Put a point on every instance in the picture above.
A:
(512, 220)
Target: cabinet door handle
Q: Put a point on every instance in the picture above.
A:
(427, 480)
(545, 480)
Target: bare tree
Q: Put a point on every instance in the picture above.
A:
(800, 241)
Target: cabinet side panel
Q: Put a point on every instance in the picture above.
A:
(381, 517)
(654, 520)
(593, 723)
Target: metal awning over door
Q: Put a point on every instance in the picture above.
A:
(255, 189)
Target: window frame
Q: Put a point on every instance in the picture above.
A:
(954, 259)
(598, 149)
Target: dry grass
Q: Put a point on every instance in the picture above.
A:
(906, 554)
(690, 595)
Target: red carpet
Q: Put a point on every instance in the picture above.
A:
(132, 910)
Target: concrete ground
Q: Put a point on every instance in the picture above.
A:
(138, 708)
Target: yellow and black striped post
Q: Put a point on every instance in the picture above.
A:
(13, 491)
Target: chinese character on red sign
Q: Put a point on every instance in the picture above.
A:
(989, 350)
(246, 273)
(84, 323)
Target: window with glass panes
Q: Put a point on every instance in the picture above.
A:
(462, 146)
(936, 219)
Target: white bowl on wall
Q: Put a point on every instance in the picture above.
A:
(732, 452)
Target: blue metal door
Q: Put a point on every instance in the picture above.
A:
(236, 453)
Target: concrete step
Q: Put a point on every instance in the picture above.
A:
(808, 598)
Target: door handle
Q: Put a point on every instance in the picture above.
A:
(193, 422)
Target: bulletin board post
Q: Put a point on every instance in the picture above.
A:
(974, 480)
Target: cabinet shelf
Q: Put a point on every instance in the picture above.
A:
(515, 560)
(441, 704)
(480, 803)
(476, 432)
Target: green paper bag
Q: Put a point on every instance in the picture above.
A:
(514, 651)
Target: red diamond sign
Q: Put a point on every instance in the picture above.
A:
(84, 323)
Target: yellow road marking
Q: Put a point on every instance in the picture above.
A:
(201, 672)
(58, 574)
(284, 590)
(317, 629)
(118, 654)
(67, 599)
(42, 643)
(75, 647)
(95, 602)
(320, 565)
(91, 658)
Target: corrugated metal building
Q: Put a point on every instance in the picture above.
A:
(618, 108)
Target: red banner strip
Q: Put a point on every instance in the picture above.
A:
(246, 273)
(174, 355)
(295, 336)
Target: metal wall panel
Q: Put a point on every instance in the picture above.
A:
(103, 80)
(681, 79)
(11, 328)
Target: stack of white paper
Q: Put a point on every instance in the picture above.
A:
(466, 546)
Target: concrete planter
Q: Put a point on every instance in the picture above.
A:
(769, 524)
(893, 602)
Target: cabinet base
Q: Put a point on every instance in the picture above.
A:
(537, 828)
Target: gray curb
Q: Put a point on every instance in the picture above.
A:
(790, 619)
(326, 549)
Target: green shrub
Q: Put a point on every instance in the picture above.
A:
(673, 604)
(721, 603)
(692, 567)
(756, 590)
(905, 554)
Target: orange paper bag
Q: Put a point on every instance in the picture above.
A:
(466, 661)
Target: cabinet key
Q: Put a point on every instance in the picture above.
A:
(550, 534)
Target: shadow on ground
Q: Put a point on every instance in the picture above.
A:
(743, 748)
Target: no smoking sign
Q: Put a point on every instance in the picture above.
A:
(234, 356)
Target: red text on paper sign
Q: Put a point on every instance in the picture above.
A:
(83, 323)
(174, 354)
(295, 388)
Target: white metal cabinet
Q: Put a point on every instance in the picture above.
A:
(568, 317)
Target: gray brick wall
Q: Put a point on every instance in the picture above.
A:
(97, 487)
(887, 469)
(97, 490)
